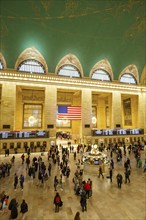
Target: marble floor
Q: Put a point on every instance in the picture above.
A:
(107, 202)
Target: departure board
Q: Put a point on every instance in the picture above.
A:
(23, 134)
(112, 132)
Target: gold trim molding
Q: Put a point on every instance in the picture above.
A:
(70, 59)
(31, 53)
(104, 65)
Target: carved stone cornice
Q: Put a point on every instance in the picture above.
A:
(143, 76)
(32, 95)
(70, 59)
(33, 54)
(104, 65)
(132, 69)
(3, 60)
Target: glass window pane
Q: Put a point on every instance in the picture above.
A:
(1, 65)
(31, 66)
(127, 78)
(101, 75)
(70, 71)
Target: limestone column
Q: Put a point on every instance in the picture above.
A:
(134, 111)
(50, 109)
(116, 109)
(8, 105)
(142, 111)
(86, 104)
(76, 124)
(101, 120)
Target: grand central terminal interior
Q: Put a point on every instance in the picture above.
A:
(73, 75)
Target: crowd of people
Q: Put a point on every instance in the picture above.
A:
(36, 168)
(5, 169)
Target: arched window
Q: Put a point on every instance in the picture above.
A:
(69, 70)
(100, 74)
(31, 66)
(128, 78)
(1, 65)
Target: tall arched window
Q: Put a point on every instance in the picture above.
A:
(1, 65)
(128, 78)
(31, 66)
(69, 70)
(100, 74)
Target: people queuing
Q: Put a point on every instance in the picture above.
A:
(5, 169)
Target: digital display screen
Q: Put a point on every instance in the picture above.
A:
(107, 132)
(23, 134)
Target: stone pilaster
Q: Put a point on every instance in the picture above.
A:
(86, 104)
(116, 109)
(101, 120)
(50, 110)
(142, 111)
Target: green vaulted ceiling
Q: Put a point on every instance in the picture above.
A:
(92, 30)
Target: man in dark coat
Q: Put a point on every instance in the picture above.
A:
(83, 202)
(13, 208)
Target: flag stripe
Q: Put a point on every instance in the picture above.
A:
(69, 112)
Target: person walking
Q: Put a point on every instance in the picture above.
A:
(111, 174)
(127, 174)
(49, 169)
(77, 216)
(14, 212)
(57, 202)
(21, 182)
(100, 173)
(15, 181)
(24, 208)
(5, 205)
(119, 180)
(13, 208)
(55, 182)
(87, 188)
(75, 154)
(22, 157)
(83, 202)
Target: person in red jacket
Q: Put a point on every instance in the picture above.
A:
(87, 188)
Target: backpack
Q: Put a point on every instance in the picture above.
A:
(22, 179)
(57, 200)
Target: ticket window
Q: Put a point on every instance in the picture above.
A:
(119, 140)
(131, 141)
(105, 141)
(4, 145)
(134, 139)
(11, 145)
(114, 140)
(96, 141)
(25, 145)
(31, 144)
(38, 144)
(44, 144)
(19, 145)
(123, 140)
(110, 140)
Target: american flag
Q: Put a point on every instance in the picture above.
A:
(69, 112)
